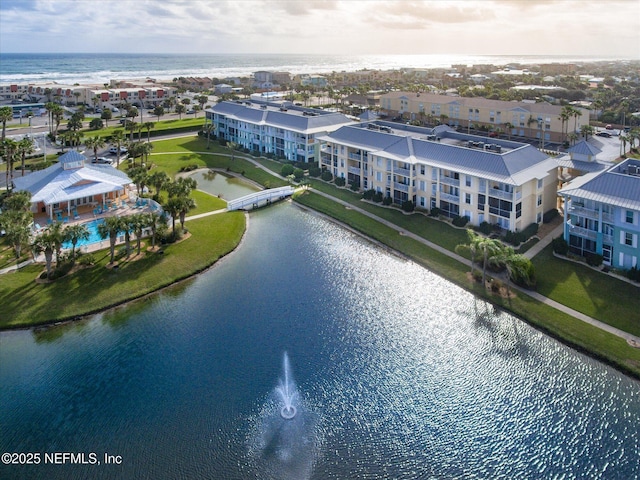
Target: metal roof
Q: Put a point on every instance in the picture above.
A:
(615, 186)
(55, 184)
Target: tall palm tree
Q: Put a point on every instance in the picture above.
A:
(44, 243)
(138, 222)
(158, 179)
(173, 207)
(155, 222)
(6, 114)
(9, 151)
(117, 140)
(488, 247)
(148, 126)
(180, 109)
(75, 233)
(111, 228)
(17, 228)
(95, 143)
(25, 147)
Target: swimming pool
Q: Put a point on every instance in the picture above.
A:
(94, 237)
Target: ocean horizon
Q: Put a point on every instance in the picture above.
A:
(99, 68)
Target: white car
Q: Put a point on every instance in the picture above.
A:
(103, 160)
(114, 150)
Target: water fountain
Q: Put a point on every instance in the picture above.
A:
(287, 392)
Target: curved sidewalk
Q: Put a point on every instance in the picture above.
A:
(632, 340)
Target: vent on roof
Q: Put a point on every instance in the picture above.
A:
(264, 107)
(372, 126)
(282, 109)
(634, 170)
(431, 137)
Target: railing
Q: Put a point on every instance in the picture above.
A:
(355, 156)
(449, 198)
(354, 170)
(582, 232)
(257, 197)
(495, 192)
(401, 186)
(584, 212)
(450, 181)
(402, 171)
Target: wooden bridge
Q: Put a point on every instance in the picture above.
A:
(254, 200)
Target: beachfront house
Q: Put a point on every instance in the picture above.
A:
(281, 129)
(602, 214)
(73, 184)
(504, 183)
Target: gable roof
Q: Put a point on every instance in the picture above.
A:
(56, 184)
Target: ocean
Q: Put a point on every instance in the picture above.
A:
(83, 68)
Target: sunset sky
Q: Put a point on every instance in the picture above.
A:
(510, 27)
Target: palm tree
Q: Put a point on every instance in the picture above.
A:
(158, 179)
(95, 143)
(111, 228)
(44, 243)
(139, 175)
(117, 140)
(145, 149)
(208, 128)
(106, 115)
(6, 114)
(158, 111)
(9, 151)
(173, 207)
(148, 126)
(25, 147)
(57, 115)
(73, 234)
(488, 247)
(180, 109)
(472, 246)
(16, 224)
(138, 222)
(155, 222)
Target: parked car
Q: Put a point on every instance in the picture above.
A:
(114, 150)
(103, 160)
(604, 134)
(609, 127)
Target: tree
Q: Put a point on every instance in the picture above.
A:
(158, 179)
(132, 112)
(139, 176)
(138, 222)
(148, 126)
(9, 151)
(586, 130)
(180, 202)
(208, 128)
(16, 220)
(96, 124)
(44, 243)
(156, 223)
(25, 147)
(111, 228)
(488, 247)
(106, 115)
(472, 246)
(75, 233)
(95, 143)
(173, 207)
(75, 122)
(158, 111)
(180, 109)
(6, 114)
(117, 140)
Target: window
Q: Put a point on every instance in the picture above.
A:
(539, 200)
(518, 210)
(540, 182)
(467, 181)
(467, 198)
(629, 216)
(481, 201)
(628, 239)
(422, 169)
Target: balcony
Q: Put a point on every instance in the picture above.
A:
(354, 170)
(402, 171)
(447, 197)
(450, 181)
(582, 232)
(583, 212)
(355, 156)
(401, 187)
(496, 192)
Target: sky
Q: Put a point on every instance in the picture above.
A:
(354, 27)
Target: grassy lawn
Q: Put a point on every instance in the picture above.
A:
(25, 302)
(574, 332)
(610, 300)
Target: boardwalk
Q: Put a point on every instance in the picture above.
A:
(255, 199)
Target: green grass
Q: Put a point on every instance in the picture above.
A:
(600, 296)
(27, 303)
(576, 333)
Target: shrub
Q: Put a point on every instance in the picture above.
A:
(286, 170)
(326, 176)
(314, 172)
(369, 194)
(485, 227)
(550, 215)
(377, 197)
(633, 274)
(477, 276)
(435, 211)
(460, 221)
(222, 142)
(387, 201)
(496, 285)
(355, 186)
(408, 206)
(560, 246)
(594, 259)
(340, 181)
(86, 259)
(298, 173)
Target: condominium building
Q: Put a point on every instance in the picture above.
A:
(602, 214)
(507, 183)
(285, 130)
(517, 119)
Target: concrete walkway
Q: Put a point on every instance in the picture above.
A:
(632, 340)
